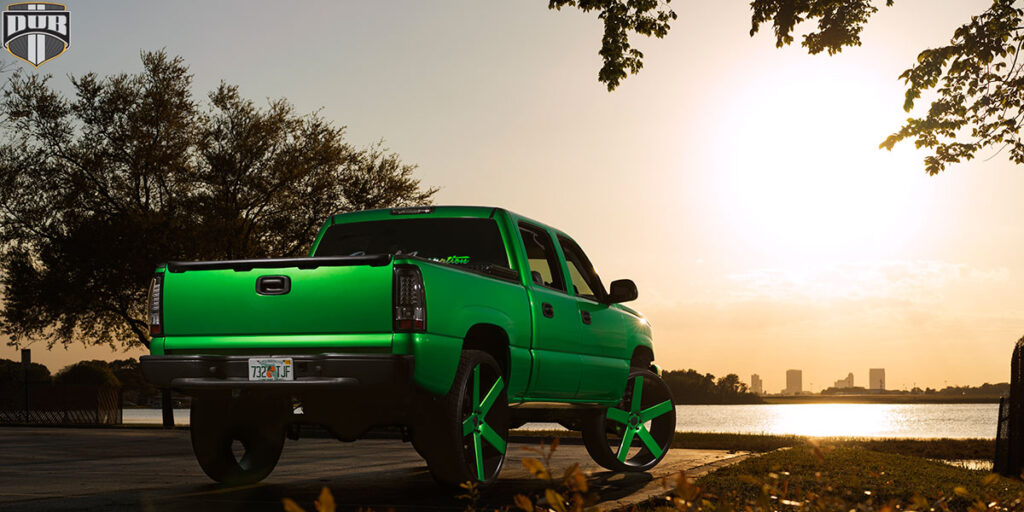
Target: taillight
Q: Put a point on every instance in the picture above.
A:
(154, 303)
(410, 301)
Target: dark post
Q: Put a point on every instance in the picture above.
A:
(26, 365)
(1009, 457)
(168, 408)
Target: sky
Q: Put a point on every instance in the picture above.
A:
(739, 185)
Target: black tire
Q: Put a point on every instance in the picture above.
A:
(637, 433)
(217, 422)
(464, 434)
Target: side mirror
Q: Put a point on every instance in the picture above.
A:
(622, 290)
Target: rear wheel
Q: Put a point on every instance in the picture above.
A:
(465, 437)
(237, 441)
(637, 433)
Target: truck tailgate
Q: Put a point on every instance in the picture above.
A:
(322, 300)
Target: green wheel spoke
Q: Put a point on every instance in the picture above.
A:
(627, 439)
(492, 437)
(654, 411)
(638, 388)
(467, 426)
(649, 441)
(618, 415)
(478, 450)
(491, 397)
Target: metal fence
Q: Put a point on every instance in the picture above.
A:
(1009, 456)
(61, 405)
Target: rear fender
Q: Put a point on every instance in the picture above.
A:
(517, 333)
(437, 355)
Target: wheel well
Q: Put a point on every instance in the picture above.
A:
(642, 357)
(491, 339)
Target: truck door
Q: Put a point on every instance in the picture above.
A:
(556, 328)
(602, 347)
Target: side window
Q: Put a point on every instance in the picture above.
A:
(544, 267)
(581, 272)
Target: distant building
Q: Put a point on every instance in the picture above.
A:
(756, 386)
(844, 383)
(794, 382)
(876, 379)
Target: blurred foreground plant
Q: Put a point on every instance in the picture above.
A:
(570, 493)
(324, 504)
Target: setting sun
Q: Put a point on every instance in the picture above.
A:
(801, 176)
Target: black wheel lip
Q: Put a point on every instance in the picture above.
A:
(596, 438)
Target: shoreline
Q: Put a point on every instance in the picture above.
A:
(875, 399)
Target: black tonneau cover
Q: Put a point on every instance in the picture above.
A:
(373, 260)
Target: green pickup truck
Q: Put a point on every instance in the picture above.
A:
(454, 323)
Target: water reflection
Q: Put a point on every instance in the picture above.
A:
(843, 420)
(828, 420)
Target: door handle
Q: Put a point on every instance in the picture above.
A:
(273, 285)
(547, 309)
(586, 317)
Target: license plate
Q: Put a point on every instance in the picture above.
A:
(271, 369)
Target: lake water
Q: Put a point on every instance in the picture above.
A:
(844, 420)
(152, 417)
(853, 420)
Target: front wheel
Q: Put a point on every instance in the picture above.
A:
(466, 434)
(637, 433)
(237, 441)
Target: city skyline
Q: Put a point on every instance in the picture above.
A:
(794, 383)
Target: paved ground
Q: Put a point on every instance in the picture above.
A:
(153, 470)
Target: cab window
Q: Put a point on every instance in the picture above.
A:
(540, 251)
(584, 280)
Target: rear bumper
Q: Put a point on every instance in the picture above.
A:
(348, 393)
(328, 372)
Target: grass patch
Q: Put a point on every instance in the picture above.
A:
(695, 440)
(949, 449)
(735, 442)
(845, 477)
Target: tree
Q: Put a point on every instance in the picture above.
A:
(977, 78)
(691, 387)
(620, 17)
(730, 387)
(93, 373)
(12, 375)
(134, 386)
(98, 189)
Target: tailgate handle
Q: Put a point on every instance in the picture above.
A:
(273, 285)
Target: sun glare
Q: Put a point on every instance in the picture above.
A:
(800, 174)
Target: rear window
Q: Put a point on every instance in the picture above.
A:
(473, 243)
